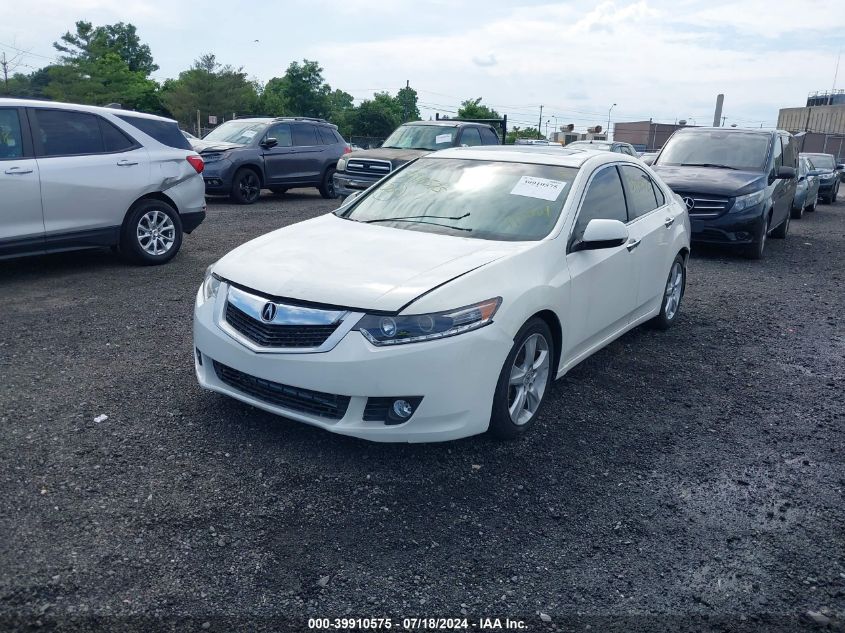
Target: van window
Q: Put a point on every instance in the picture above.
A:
(737, 150)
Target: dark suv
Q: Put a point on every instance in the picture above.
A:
(244, 156)
(825, 167)
(361, 169)
(737, 184)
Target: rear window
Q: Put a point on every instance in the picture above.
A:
(165, 132)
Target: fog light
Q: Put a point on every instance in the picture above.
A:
(402, 409)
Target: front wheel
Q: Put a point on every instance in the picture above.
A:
(783, 229)
(673, 292)
(327, 186)
(246, 187)
(152, 233)
(798, 213)
(755, 249)
(834, 194)
(524, 381)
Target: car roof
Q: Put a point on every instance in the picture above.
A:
(447, 123)
(58, 105)
(732, 130)
(518, 154)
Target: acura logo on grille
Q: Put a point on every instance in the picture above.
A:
(690, 203)
(268, 312)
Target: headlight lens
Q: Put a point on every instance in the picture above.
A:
(395, 330)
(341, 164)
(212, 157)
(210, 284)
(748, 201)
(828, 176)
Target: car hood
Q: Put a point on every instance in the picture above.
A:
(712, 180)
(329, 260)
(213, 146)
(397, 157)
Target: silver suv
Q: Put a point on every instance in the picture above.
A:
(74, 176)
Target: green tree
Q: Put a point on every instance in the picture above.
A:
(211, 88)
(103, 80)
(473, 109)
(407, 99)
(341, 110)
(301, 91)
(29, 86)
(517, 132)
(377, 117)
(89, 43)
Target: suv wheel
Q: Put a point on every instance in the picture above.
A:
(152, 233)
(327, 186)
(783, 229)
(834, 194)
(246, 186)
(755, 249)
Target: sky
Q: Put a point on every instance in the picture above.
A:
(665, 60)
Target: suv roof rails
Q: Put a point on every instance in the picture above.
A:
(299, 118)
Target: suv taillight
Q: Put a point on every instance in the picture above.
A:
(196, 162)
(347, 149)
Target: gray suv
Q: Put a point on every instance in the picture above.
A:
(244, 156)
(408, 142)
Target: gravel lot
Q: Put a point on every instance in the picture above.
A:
(688, 480)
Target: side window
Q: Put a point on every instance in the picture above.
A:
(658, 194)
(115, 140)
(11, 140)
(778, 154)
(790, 156)
(470, 136)
(67, 133)
(639, 191)
(489, 137)
(327, 136)
(304, 135)
(281, 133)
(604, 200)
(164, 131)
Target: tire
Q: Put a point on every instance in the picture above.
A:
(797, 214)
(151, 234)
(783, 228)
(502, 424)
(673, 293)
(812, 207)
(327, 186)
(279, 190)
(755, 250)
(246, 186)
(834, 194)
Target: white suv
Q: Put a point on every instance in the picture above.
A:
(74, 176)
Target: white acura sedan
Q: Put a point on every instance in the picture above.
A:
(444, 300)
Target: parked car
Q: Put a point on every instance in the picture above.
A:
(446, 316)
(807, 189)
(828, 174)
(191, 138)
(606, 146)
(76, 176)
(738, 184)
(648, 157)
(407, 142)
(244, 156)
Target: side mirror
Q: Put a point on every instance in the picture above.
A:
(785, 173)
(602, 234)
(269, 142)
(840, 167)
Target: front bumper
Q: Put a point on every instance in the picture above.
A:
(345, 185)
(218, 177)
(826, 187)
(455, 376)
(729, 228)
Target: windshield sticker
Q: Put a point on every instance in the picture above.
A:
(543, 188)
(249, 133)
(442, 138)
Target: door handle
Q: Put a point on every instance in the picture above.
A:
(669, 222)
(632, 245)
(126, 163)
(17, 171)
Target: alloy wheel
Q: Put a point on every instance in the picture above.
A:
(674, 287)
(156, 232)
(249, 187)
(528, 379)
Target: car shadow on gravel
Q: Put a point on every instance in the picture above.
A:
(268, 197)
(61, 263)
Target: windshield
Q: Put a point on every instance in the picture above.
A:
(736, 150)
(822, 161)
(238, 132)
(488, 200)
(431, 137)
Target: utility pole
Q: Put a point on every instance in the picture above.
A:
(540, 122)
(5, 65)
(720, 101)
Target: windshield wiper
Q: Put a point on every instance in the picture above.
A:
(448, 226)
(414, 217)
(707, 165)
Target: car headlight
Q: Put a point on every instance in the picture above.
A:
(341, 164)
(210, 284)
(748, 201)
(395, 330)
(213, 157)
(827, 176)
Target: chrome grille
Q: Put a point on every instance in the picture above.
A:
(367, 167)
(706, 204)
(272, 335)
(317, 403)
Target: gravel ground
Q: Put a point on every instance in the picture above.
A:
(687, 480)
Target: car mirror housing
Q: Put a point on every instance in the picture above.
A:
(601, 233)
(785, 173)
(840, 167)
(269, 142)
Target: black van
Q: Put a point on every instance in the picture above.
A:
(737, 184)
